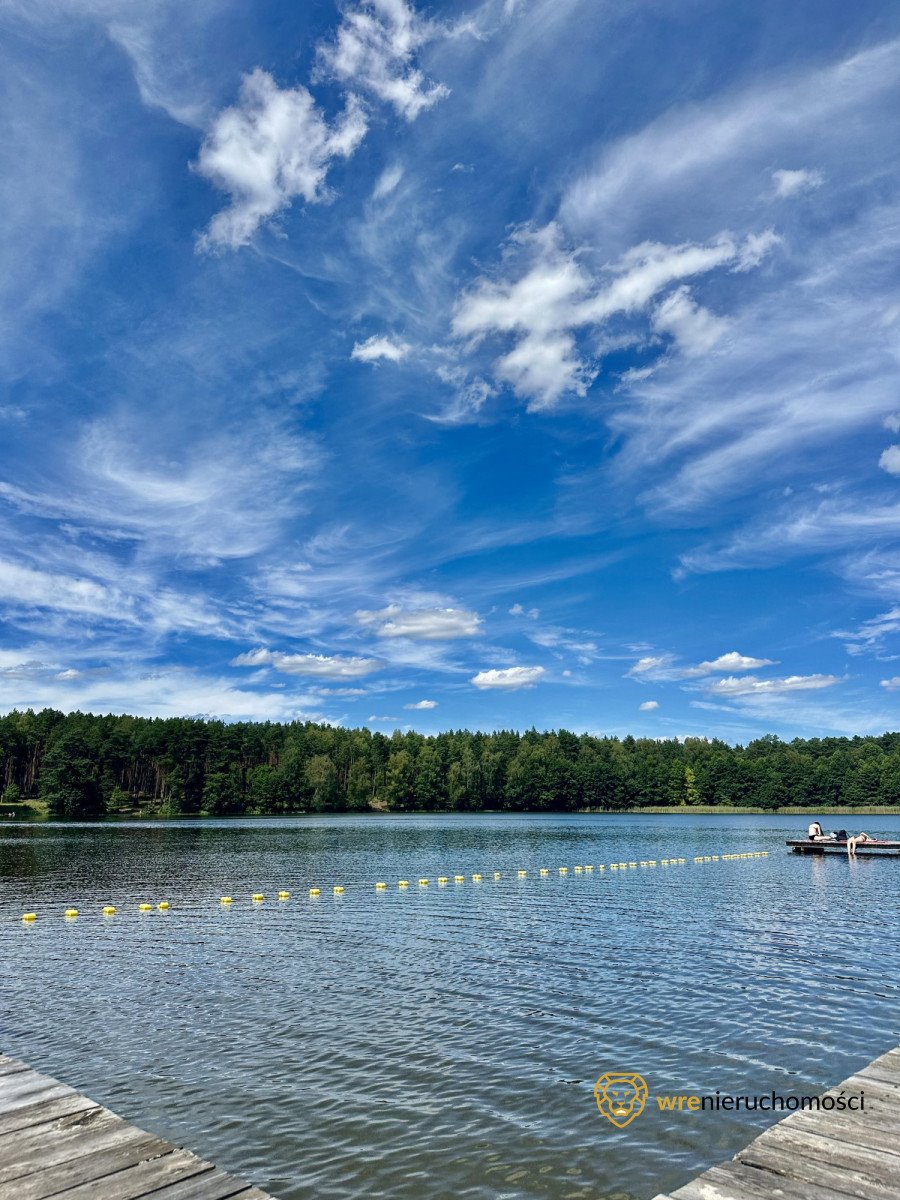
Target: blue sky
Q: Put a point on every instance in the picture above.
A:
(487, 365)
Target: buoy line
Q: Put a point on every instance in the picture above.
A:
(258, 898)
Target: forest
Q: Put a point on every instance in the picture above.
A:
(80, 765)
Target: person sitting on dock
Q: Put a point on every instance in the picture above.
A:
(816, 833)
(853, 842)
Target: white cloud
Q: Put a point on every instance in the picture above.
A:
(892, 422)
(374, 50)
(518, 610)
(424, 624)
(422, 705)
(655, 666)
(648, 706)
(662, 668)
(319, 666)
(375, 348)
(892, 684)
(890, 460)
(547, 295)
(373, 719)
(695, 329)
(749, 685)
(789, 183)
(273, 145)
(507, 678)
(732, 661)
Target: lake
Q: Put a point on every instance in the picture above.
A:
(445, 1040)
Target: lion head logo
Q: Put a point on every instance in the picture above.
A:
(620, 1096)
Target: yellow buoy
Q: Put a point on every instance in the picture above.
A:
(145, 908)
(71, 912)
(544, 871)
(338, 891)
(29, 916)
(424, 883)
(163, 905)
(579, 870)
(109, 910)
(282, 895)
(601, 866)
(315, 891)
(588, 869)
(632, 864)
(476, 879)
(563, 870)
(380, 887)
(612, 867)
(497, 875)
(257, 897)
(522, 874)
(442, 879)
(459, 879)
(402, 883)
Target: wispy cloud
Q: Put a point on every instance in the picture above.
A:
(318, 666)
(790, 183)
(422, 705)
(375, 349)
(749, 685)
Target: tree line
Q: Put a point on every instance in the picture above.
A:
(82, 765)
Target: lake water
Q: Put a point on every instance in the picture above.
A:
(444, 1040)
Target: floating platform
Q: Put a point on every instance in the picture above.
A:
(819, 1155)
(867, 849)
(56, 1142)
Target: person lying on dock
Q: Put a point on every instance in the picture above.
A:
(853, 842)
(815, 833)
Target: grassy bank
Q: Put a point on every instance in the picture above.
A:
(882, 810)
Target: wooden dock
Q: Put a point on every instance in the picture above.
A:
(55, 1142)
(819, 1155)
(864, 849)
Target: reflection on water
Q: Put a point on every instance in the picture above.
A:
(436, 1041)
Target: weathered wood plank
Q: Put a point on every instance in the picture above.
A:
(215, 1186)
(822, 1148)
(820, 1154)
(25, 1116)
(734, 1181)
(151, 1176)
(798, 1169)
(56, 1142)
(87, 1169)
(105, 1132)
(11, 1066)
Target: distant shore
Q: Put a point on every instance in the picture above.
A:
(37, 811)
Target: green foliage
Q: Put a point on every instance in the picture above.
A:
(84, 765)
(12, 794)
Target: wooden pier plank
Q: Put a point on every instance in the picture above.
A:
(819, 1154)
(56, 1142)
(25, 1116)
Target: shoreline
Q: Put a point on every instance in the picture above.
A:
(35, 816)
